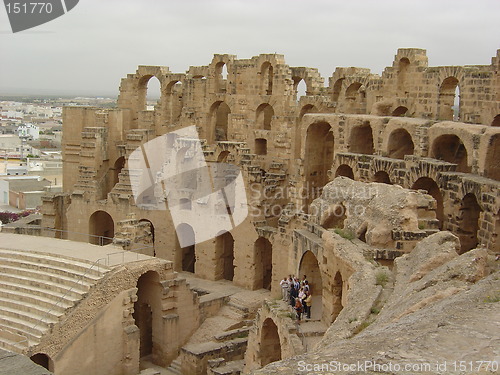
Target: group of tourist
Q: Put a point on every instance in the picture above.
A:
(298, 294)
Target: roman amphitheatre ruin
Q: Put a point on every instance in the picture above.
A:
(382, 189)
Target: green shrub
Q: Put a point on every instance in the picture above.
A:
(381, 278)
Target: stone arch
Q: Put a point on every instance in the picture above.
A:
(270, 345)
(355, 98)
(446, 98)
(150, 234)
(299, 87)
(450, 148)
(221, 77)
(334, 217)
(496, 121)
(219, 120)
(148, 90)
(337, 88)
(147, 315)
(399, 111)
(263, 250)
(309, 266)
(403, 67)
(468, 223)
(117, 168)
(261, 146)
(492, 165)
(382, 177)
(308, 108)
(264, 116)
(173, 93)
(400, 144)
(336, 289)
(223, 156)
(101, 228)
(432, 188)
(186, 253)
(318, 157)
(345, 171)
(44, 360)
(224, 255)
(266, 78)
(361, 139)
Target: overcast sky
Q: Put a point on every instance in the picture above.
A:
(88, 50)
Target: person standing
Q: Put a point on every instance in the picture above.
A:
(298, 308)
(308, 304)
(284, 289)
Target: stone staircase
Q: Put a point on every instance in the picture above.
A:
(36, 290)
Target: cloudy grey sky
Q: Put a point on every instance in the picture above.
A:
(88, 50)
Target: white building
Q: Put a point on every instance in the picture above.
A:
(30, 131)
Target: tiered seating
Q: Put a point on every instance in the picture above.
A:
(36, 290)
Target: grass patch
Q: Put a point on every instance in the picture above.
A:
(374, 310)
(344, 233)
(381, 278)
(362, 326)
(353, 320)
(492, 299)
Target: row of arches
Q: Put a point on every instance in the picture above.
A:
(446, 147)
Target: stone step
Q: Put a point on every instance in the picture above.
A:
(57, 304)
(64, 262)
(232, 334)
(19, 333)
(230, 368)
(52, 269)
(12, 342)
(37, 286)
(39, 276)
(21, 307)
(31, 318)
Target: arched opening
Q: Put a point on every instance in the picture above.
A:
(319, 158)
(468, 223)
(335, 217)
(308, 108)
(145, 309)
(337, 87)
(448, 100)
(403, 67)
(345, 171)
(309, 266)
(174, 101)
(264, 260)
(149, 92)
(185, 236)
(101, 228)
(337, 305)
(117, 169)
(266, 78)
(450, 148)
(147, 236)
(42, 359)
(400, 144)
(432, 188)
(223, 156)
(264, 117)
(219, 114)
(382, 177)
(399, 111)
(270, 346)
(220, 77)
(355, 98)
(496, 121)
(224, 255)
(361, 139)
(300, 88)
(492, 166)
(261, 146)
